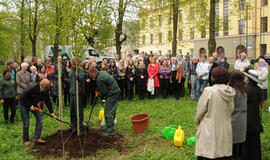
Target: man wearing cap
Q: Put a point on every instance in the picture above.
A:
(108, 88)
(30, 98)
(242, 63)
(254, 126)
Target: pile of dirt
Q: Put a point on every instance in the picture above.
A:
(75, 146)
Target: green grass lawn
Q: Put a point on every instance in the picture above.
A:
(150, 145)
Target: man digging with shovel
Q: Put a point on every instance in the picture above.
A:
(108, 88)
(29, 99)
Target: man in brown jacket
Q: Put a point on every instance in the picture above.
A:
(23, 78)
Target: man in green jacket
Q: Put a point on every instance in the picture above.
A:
(73, 102)
(109, 89)
(8, 95)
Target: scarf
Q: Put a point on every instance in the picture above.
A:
(7, 78)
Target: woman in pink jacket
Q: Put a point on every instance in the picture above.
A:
(153, 70)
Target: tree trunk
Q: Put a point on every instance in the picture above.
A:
(212, 28)
(34, 44)
(22, 30)
(119, 27)
(175, 23)
(58, 22)
(34, 47)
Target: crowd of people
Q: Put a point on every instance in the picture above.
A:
(227, 112)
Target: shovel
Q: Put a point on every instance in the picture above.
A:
(47, 114)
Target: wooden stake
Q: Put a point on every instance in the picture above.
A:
(77, 100)
(60, 102)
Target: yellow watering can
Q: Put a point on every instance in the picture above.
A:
(101, 114)
(178, 137)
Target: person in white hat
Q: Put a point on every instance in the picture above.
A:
(254, 126)
(242, 63)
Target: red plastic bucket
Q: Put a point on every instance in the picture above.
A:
(140, 122)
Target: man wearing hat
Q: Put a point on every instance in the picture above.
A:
(254, 126)
(242, 63)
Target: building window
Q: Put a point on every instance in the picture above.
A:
(192, 33)
(263, 48)
(202, 52)
(203, 32)
(164, 2)
(169, 19)
(160, 37)
(191, 51)
(242, 4)
(170, 36)
(180, 51)
(240, 49)
(151, 6)
(151, 21)
(264, 24)
(180, 16)
(220, 51)
(217, 19)
(151, 38)
(264, 2)
(160, 20)
(180, 38)
(241, 26)
(226, 17)
(143, 39)
(156, 5)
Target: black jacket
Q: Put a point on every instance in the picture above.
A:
(141, 72)
(32, 95)
(253, 107)
(130, 73)
(113, 71)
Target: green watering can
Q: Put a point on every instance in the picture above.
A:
(191, 141)
(168, 131)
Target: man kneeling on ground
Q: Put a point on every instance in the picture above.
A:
(29, 99)
(108, 88)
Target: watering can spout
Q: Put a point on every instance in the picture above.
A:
(160, 131)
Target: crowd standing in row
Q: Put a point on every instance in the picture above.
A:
(238, 103)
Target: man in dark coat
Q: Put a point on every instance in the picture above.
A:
(254, 126)
(80, 78)
(109, 89)
(30, 98)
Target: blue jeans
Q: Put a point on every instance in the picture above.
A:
(25, 118)
(200, 82)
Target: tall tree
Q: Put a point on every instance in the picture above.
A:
(34, 12)
(22, 28)
(96, 22)
(120, 9)
(175, 4)
(58, 27)
(212, 27)
(122, 5)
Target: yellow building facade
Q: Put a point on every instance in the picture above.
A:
(236, 32)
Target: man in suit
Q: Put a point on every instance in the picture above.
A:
(30, 98)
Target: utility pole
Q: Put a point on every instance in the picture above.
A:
(247, 29)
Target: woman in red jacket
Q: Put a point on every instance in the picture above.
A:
(153, 70)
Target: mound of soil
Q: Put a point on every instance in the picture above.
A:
(77, 147)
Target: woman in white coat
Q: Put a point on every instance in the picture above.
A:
(214, 109)
(262, 70)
